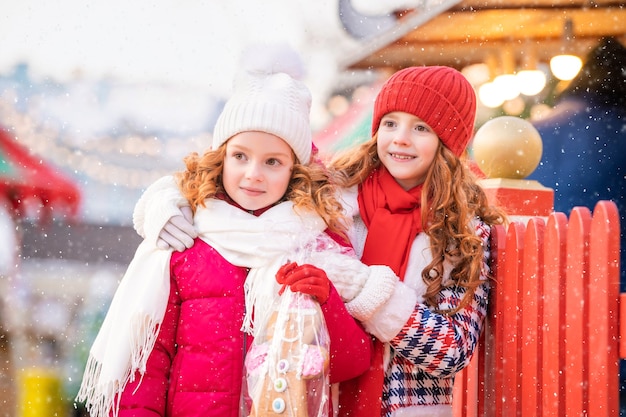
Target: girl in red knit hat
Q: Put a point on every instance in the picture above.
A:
(417, 208)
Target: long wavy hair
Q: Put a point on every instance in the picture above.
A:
(309, 188)
(451, 199)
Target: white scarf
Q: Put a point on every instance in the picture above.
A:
(130, 327)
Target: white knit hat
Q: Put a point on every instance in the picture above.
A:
(268, 99)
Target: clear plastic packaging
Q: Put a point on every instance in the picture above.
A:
(287, 364)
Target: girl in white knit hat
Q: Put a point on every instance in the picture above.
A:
(179, 327)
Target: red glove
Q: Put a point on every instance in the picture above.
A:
(307, 279)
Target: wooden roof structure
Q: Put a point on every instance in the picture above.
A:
(466, 32)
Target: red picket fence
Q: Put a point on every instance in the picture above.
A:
(551, 345)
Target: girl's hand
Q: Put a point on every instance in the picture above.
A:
(306, 279)
(178, 233)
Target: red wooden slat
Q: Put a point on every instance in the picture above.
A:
(470, 388)
(551, 344)
(465, 396)
(494, 339)
(511, 354)
(479, 382)
(553, 316)
(472, 385)
(603, 296)
(530, 337)
(622, 324)
(459, 399)
(576, 321)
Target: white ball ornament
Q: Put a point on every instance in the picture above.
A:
(507, 147)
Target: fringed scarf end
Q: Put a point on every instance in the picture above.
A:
(102, 395)
(101, 399)
(143, 337)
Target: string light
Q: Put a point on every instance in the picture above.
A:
(90, 158)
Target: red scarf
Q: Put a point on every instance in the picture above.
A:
(393, 219)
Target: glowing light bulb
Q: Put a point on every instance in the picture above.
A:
(507, 84)
(490, 96)
(531, 82)
(565, 67)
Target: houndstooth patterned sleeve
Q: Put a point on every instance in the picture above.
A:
(442, 344)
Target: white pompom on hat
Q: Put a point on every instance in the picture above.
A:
(269, 97)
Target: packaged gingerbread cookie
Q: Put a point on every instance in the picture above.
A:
(287, 364)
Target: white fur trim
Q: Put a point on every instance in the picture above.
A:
(387, 322)
(441, 410)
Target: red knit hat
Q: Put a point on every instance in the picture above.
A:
(440, 96)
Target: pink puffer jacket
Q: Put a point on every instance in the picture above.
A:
(196, 367)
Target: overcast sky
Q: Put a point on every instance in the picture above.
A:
(195, 42)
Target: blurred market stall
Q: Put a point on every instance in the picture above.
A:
(30, 189)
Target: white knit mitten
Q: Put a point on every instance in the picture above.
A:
(347, 273)
(363, 288)
(375, 293)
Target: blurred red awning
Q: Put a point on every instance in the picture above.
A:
(30, 184)
(351, 128)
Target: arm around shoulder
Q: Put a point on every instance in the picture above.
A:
(160, 202)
